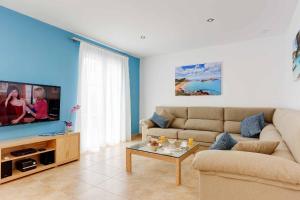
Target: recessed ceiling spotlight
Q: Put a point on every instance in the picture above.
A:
(265, 31)
(210, 20)
(143, 37)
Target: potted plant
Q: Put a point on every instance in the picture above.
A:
(69, 124)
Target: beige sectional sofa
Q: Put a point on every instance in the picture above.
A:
(236, 175)
(203, 124)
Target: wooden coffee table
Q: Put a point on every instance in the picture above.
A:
(164, 153)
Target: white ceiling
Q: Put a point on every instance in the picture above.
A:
(169, 25)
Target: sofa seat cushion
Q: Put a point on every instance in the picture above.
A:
(168, 132)
(238, 137)
(270, 133)
(199, 136)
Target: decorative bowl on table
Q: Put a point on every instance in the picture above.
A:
(154, 145)
(172, 144)
(172, 141)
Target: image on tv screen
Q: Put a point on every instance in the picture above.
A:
(22, 103)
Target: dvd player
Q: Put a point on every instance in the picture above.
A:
(26, 164)
(23, 152)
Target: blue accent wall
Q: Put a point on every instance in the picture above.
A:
(134, 73)
(35, 52)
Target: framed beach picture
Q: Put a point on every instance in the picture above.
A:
(296, 57)
(198, 79)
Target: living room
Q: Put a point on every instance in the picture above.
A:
(150, 99)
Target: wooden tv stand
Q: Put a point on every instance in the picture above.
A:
(66, 148)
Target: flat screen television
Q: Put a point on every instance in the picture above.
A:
(22, 103)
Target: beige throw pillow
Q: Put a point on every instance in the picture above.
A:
(168, 116)
(265, 147)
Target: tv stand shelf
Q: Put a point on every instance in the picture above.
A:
(66, 149)
(11, 157)
(18, 174)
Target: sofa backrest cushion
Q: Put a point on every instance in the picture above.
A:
(212, 113)
(180, 114)
(204, 125)
(205, 119)
(234, 115)
(232, 127)
(288, 123)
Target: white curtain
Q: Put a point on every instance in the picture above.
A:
(104, 96)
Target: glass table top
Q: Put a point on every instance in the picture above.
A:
(174, 150)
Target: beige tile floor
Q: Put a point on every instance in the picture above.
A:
(101, 175)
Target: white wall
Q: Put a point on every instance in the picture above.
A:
(291, 88)
(252, 75)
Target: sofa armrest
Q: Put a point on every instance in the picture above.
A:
(248, 164)
(147, 123)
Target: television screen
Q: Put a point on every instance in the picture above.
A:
(22, 103)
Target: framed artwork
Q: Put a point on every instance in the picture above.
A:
(198, 79)
(296, 57)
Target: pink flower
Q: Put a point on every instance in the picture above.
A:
(68, 123)
(75, 108)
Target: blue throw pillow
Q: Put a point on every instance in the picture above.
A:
(252, 126)
(160, 121)
(224, 142)
(261, 120)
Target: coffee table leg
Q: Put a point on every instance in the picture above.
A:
(178, 172)
(128, 161)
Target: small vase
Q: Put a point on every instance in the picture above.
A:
(69, 129)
